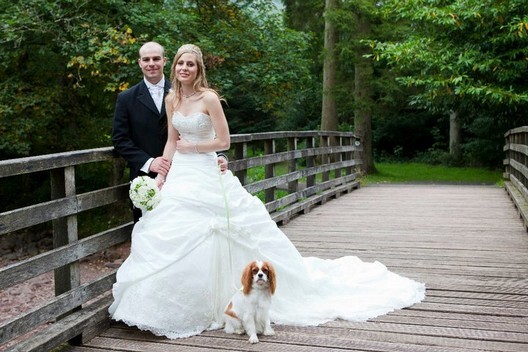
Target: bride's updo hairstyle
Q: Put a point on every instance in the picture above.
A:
(200, 84)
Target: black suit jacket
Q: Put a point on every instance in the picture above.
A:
(139, 130)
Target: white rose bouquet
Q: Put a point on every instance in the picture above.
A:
(144, 193)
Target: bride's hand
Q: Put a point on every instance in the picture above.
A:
(160, 181)
(184, 146)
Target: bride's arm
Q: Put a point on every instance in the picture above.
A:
(222, 141)
(215, 110)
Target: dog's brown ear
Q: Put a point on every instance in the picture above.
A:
(271, 277)
(247, 278)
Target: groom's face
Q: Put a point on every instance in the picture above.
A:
(152, 61)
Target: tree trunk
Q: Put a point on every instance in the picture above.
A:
(329, 120)
(455, 136)
(363, 75)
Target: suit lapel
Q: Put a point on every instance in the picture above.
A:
(167, 88)
(146, 99)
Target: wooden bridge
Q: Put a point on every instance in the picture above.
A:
(467, 243)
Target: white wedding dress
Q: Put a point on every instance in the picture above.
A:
(187, 256)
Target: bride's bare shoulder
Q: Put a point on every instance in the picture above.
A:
(210, 94)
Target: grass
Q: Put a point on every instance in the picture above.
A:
(416, 172)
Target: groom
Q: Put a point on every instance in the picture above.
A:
(140, 121)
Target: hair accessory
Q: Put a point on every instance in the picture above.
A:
(190, 48)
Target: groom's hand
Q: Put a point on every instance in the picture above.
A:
(160, 165)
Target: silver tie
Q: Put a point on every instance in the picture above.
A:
(157, 96)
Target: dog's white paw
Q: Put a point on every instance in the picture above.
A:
(269, 331)
(253, 338)
(231, 330)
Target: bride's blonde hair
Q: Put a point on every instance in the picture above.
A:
(200, 84)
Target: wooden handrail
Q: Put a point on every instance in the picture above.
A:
(516, 169)
(312, 171)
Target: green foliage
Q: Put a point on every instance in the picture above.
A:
(485, 148)
(259, 72)
(307, 16)
(40, 109)
(463, 52)
(63, 63)
(466, 56)
(262, 73)
(403, 137)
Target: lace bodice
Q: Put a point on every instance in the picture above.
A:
(194, 127)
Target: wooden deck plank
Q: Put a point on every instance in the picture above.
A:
(405, 315)
(449, 320)
(290, 339)
(467, 243)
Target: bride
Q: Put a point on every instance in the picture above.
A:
(188, 253)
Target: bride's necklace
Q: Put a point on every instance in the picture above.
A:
(190, 95)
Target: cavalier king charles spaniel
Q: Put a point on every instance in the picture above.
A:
(248, 310)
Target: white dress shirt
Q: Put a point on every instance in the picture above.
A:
(157, 91)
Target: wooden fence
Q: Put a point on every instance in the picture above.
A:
(516, 169)
(297, 170)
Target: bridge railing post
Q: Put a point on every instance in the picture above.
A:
(310, 163)
(269, 169)
(339, 157)
(348, 141)
(326, 158)
(293, 186)
(65, 231)
(523, 139)
(241, 153)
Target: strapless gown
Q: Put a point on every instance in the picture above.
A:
(187, 256)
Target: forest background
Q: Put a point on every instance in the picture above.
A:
(418, 80)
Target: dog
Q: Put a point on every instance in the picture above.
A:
(248, 310)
